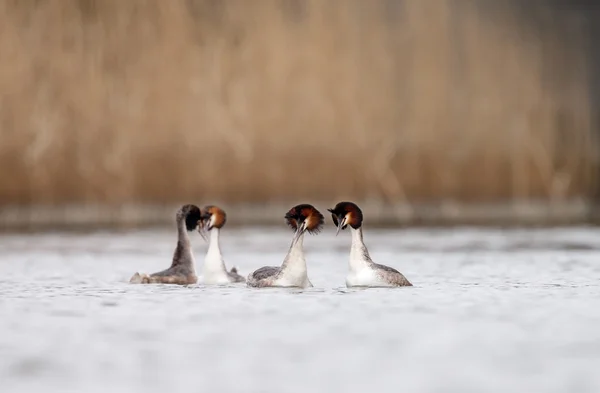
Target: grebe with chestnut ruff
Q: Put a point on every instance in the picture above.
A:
(182, 269)
(363, 271)
(292, 273)
(212, 219)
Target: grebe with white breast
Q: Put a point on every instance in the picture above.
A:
(212, 220)
(292, 273)
(182, 269)
(363, 271)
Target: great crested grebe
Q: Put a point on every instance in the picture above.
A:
(363, 271)
(292, 273)
(182, 270)
(212, 219)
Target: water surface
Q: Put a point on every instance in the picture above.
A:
(491, 311)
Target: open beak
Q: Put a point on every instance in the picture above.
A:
(341, 223)
(202, 229)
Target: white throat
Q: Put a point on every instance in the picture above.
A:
(213, 262)
(294, 264)
(359, 255)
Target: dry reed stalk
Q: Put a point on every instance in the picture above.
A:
(112, 102)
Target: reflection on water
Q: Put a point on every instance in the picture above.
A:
(491, 310)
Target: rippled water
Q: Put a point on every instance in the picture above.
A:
(491, 311)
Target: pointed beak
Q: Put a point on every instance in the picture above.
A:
(297, 235)
(202, 229)
(341, 223)
(299, 231)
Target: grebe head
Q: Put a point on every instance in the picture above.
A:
(211, 217)
(304, 218)
(344, 214)
(191, 215)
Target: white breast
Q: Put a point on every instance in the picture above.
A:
(213, 269)
(290, 280)
(215, 278)
(365, 277)
(294, 272)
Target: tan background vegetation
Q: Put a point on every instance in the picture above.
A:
(111, 102)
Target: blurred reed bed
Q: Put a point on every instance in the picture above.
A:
(111, 102)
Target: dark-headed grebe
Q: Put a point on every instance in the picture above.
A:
(363, 271)
(212, 220)
(292, 273)
(182, 269)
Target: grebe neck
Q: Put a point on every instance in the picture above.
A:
(214, 258)
(359, 255)
(294, 260)
(183, 251)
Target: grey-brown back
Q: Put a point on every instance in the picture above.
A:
(391, 275)
(266, 272)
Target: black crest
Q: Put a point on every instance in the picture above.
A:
(191, 214)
